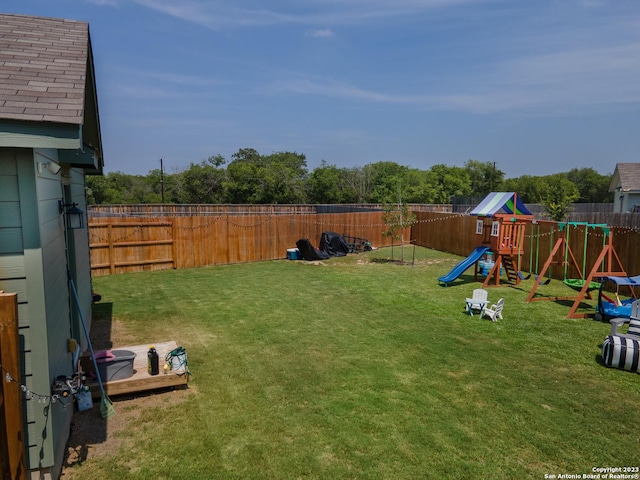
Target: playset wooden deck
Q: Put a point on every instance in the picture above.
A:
(501, 223)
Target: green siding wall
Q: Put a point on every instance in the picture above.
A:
(82, 260)
(49, 190)
(12, 267)
(10, 223)
(39, 420)
(33, 263)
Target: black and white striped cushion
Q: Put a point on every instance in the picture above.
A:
(634, 327)
(621, 352)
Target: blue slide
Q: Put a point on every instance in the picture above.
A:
(463, 265)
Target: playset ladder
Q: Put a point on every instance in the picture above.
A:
(510, 268)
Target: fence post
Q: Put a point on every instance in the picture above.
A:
(12, 447)
(174, 252)
(112, 266)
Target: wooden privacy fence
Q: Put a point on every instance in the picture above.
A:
(455, 233)
(120, 245)
(13, 463)
(131, 244)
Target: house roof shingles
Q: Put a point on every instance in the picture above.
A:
(43, 68)
(627, 177)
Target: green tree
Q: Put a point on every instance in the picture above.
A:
(385, 178)
(203, 182)
(276, 178)
(283, 177)
(358, 185)
(243, 181)
(397, 217)
(562, 193)
(418, 187)
(119, 188)
(325, 184)
(529, 189)
(484, 177)
(447, 182)
(172, 184)
(592, 187)
(96, 188)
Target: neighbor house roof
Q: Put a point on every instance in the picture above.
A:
(626, 177)
(47, 86)
(500, 202)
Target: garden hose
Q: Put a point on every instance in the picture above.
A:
(177, 359)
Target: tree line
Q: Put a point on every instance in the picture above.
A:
(283, 178)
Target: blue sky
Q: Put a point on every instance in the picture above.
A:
(539, 87)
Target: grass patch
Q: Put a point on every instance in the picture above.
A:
(362, 368)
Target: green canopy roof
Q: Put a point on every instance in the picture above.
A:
(500, 202)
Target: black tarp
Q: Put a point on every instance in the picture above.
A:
(309, 252)
(333, 244)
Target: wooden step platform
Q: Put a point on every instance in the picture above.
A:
(141, 381)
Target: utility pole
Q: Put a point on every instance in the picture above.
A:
(494, 180)
(162, 180)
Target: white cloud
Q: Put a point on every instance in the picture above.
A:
(572, 78)
(180, 79)
(335, 89)
(143, 91)
(148, 84)
(321, 33)
(226, 13)
(104, 3)
(553, 83)
(592, 63)
(215, 15)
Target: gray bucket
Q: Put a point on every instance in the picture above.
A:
(118, 367)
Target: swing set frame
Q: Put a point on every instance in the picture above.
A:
(602, 267)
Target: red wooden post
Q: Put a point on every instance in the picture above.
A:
(11, 426)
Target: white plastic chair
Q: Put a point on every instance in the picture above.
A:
(494, 312)
(633, 331)
(477, 301)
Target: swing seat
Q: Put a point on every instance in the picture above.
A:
(542, 280)
(578, 284)
(522, 276)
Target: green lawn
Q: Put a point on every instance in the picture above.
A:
(363, 368)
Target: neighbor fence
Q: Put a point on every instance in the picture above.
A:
(170, 210)
(455, 233)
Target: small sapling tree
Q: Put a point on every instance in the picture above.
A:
(397, 218)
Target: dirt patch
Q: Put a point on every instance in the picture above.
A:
(314, 262)
(93, 436)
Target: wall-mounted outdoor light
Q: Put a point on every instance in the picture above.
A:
(53, 167)
(75, 216)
